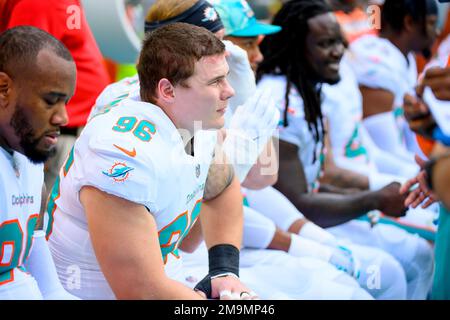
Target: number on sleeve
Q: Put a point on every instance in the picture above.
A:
(142, 130)
(125, 124)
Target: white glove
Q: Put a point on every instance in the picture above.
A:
(342, 258)
(339, 256)
(241, 76)
(250, 128)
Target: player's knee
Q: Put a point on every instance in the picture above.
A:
(419, 272)
(388, 277)
(424, 257)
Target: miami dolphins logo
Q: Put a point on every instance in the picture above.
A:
(210, 14)
(119, 172)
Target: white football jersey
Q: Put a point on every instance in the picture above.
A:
(114, 93)
(342, 106)
(297, 131)
(353, 148)
(20, 201)
(379, 64)
(134, 152)
(441, 59)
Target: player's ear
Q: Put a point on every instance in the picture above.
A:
(166, 90)
(5, 89)
(408, 23)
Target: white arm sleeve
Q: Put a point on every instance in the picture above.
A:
(303, 247)
(386, 162)
(275, 206)
(386, 135)
(258, 230)
(314, 232)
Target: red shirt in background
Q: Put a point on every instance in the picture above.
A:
(53, 16)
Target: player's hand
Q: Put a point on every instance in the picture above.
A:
(391, 201)
(438, 79)
(241, 76)
(250, 128)
(334, 253)
(418, 116)
(257, 115)
(231, 288)
(227, 288)
(342, 258)
(418, 190)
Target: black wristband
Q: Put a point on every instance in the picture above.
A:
(223, 258)
(205, 286)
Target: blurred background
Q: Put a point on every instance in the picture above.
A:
(119, 29)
